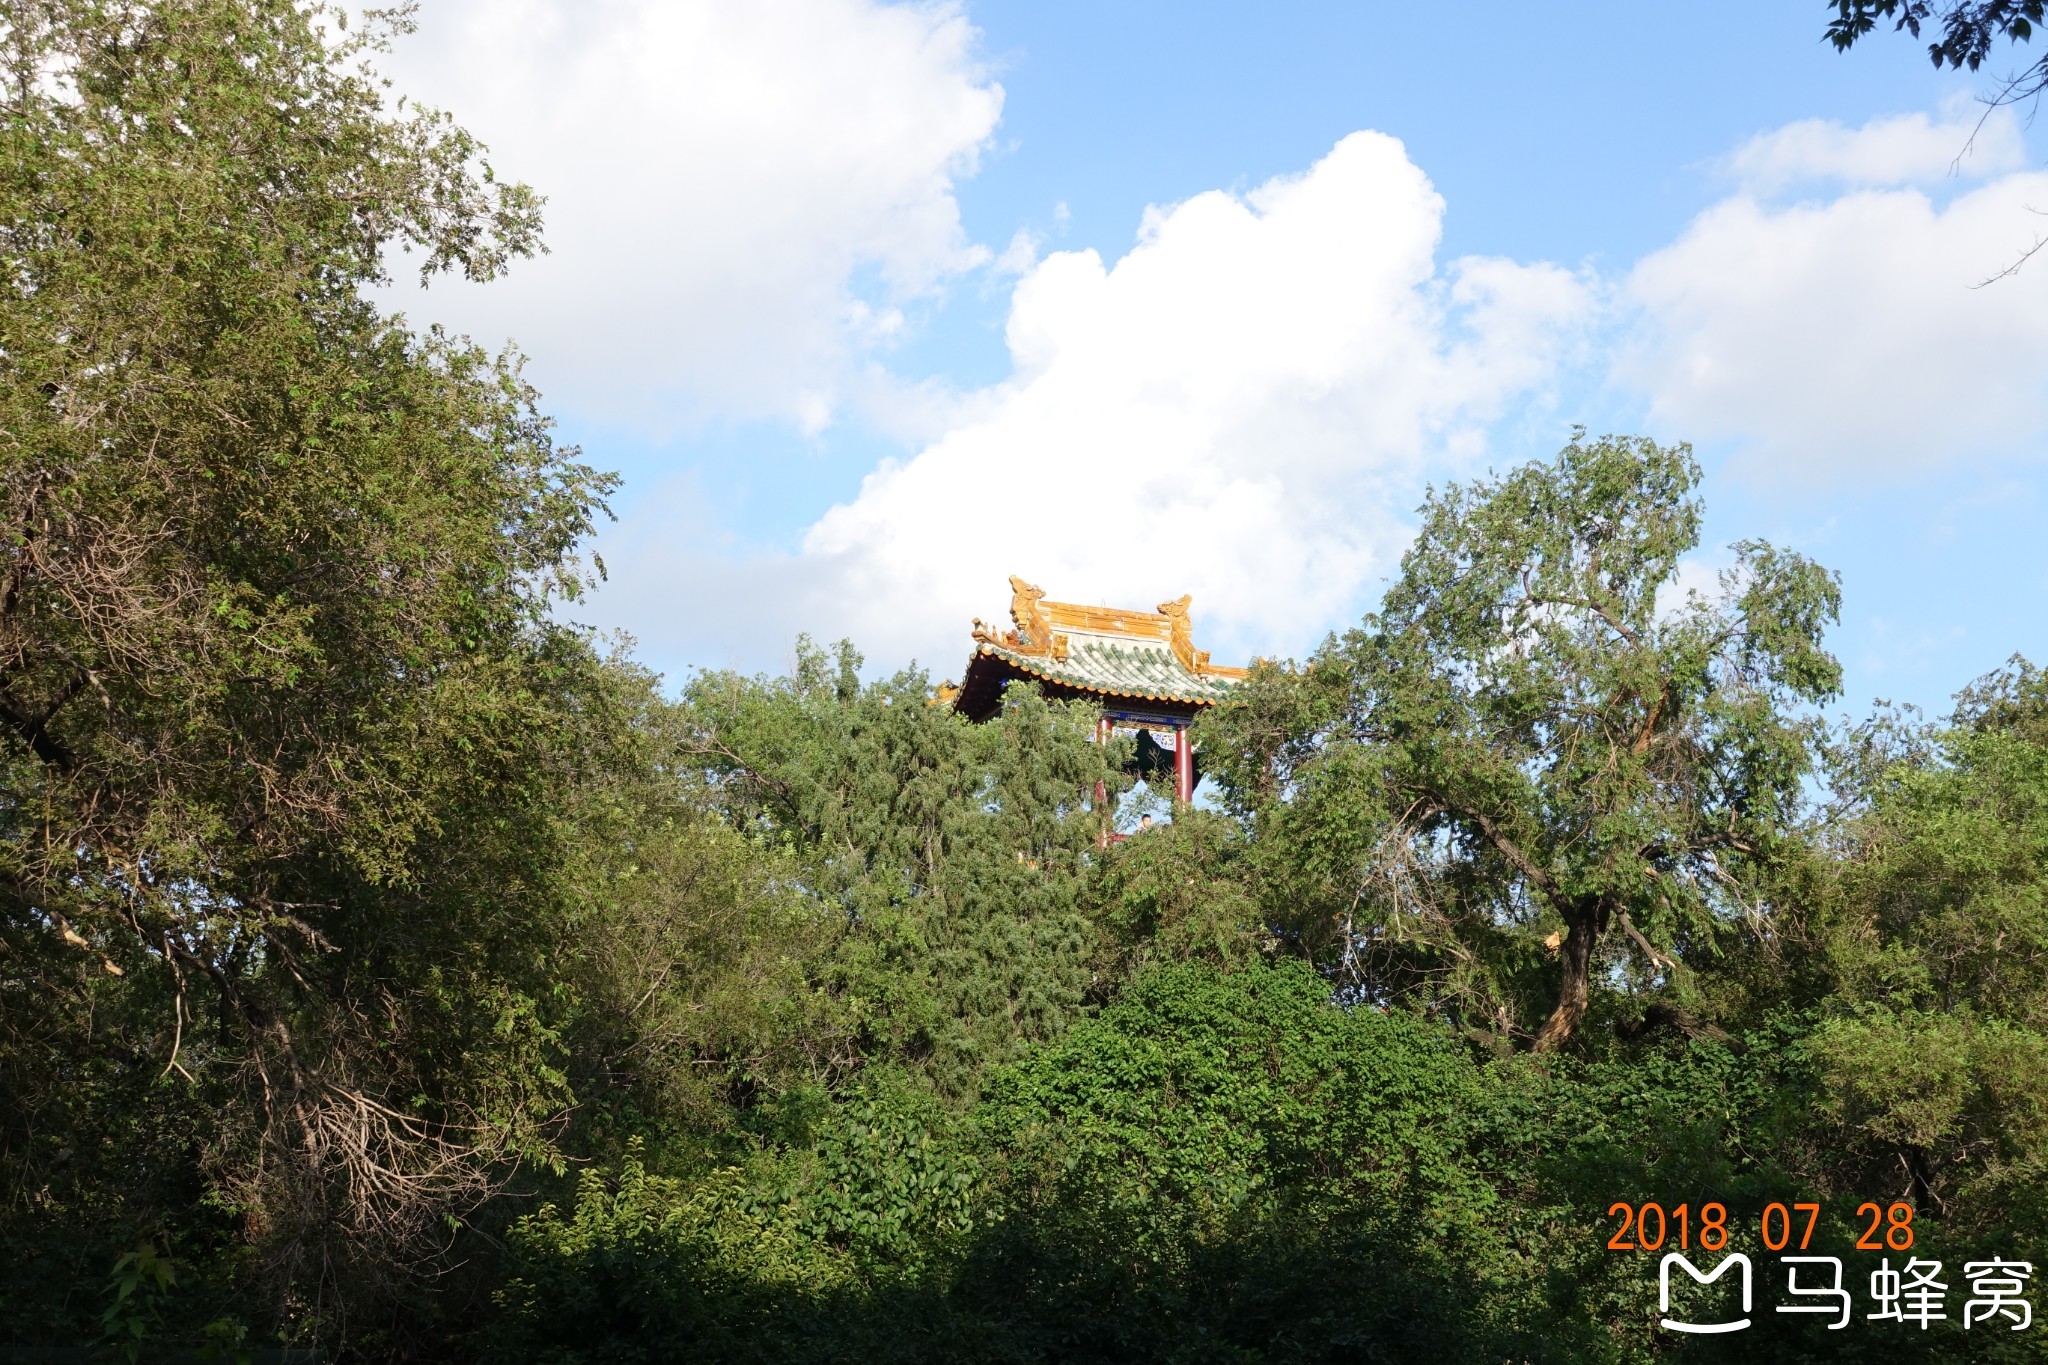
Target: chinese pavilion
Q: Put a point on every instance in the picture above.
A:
(1141, 667)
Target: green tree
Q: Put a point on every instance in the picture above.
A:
(284, 715)
(1936, 1035)
(1968, 31)
(952, 858)
(686, 956)
(1536, 736)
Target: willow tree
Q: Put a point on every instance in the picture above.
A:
(1540, 750)
(279, 684)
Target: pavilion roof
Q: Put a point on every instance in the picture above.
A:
(1137, 656)
(1118, 668)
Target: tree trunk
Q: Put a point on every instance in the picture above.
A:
(1585, 927)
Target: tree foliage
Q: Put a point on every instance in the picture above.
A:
(1937, 1047)
(1965, 32)
(285, 705)
(952, 858)
(1536, 744)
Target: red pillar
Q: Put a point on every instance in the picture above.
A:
(1101, 737)
(1183, 767)
(1102, 792)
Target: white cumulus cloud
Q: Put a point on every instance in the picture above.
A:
(1847, 336)
(1241, 408)
(722, 175)
(1908, 149)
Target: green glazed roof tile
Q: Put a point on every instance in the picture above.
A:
(1119, 668)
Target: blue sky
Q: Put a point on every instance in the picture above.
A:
(821, 290)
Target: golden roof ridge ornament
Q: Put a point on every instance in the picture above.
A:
(1033, 629)
(1034, 634)
(1183, 638)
